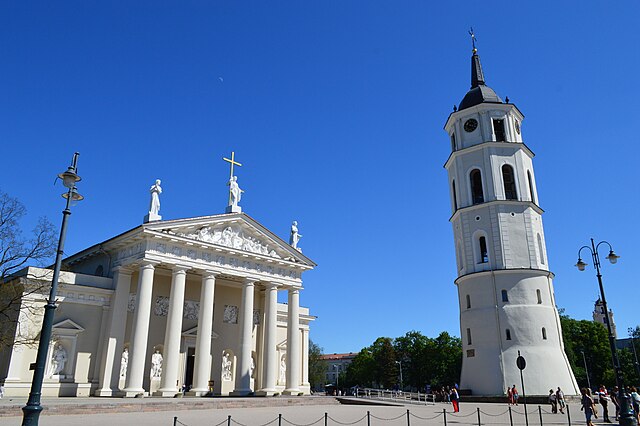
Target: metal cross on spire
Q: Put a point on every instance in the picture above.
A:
(232, 162)
(473, 39)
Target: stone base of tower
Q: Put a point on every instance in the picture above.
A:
(511, 311)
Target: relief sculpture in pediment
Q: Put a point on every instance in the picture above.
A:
(232, 238)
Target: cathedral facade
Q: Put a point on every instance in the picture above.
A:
(171, 306)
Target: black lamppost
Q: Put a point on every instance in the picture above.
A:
(627, 417)
(33, 408)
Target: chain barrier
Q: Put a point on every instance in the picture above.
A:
(219, 424)
(350, 423)
(236, 422)
(268, 423)
(425, 418)
(388, 420)
(302, 424)
(494, 415)
(460, 415)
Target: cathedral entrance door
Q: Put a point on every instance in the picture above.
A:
(188, 372)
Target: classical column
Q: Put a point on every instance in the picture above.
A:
(109, 375)
(270, 355)
(202, 368)
(171, 355)
(305, 357)
(293, 343)
(140, 332)
(243, 372)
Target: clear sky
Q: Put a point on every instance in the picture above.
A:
(336, 110)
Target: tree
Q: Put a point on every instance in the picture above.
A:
(362, 370)
(387, 372)
(316, 366)
(16, 252)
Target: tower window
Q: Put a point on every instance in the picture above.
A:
(509, 181)
(484, 256)
(468, 336)
(507, 333)
(539, 295)
(531, 193)
(460, 260)
(498, 129)
(453, 141)
(455, 198)
(505, 296)
(476, 186)
(544, 333)
(468, 302)
(540, 249)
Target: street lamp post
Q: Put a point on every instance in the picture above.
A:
(337, 368)
(586, 370)
(627, 417)
(33, 408)
(400, 366)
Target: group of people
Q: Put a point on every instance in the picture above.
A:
(448, 394)
(590, 407)
(512, 395)
(556, 399)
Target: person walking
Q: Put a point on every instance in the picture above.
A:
(616, 403)
(560, 400)
(455, 398)
(587, 405)
(553, 401)
(635, 400)
(603, 397)
(515, 396)
(509, 396)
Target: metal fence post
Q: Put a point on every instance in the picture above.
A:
(229, 420)
(368, 418)
(280, 420)
(510, 417)
(325, 419)
(408, 420)
(479, 424)
(175, 421)
(444, 416)
(568, 413)
(540, 414)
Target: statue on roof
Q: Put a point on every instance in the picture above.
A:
(154, 204)
(294, 237)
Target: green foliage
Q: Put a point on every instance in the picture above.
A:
(435, 361)
(316, 366)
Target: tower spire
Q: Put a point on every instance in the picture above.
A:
(477, 76)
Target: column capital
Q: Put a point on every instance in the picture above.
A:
(148, 264)
(250, 280)
(269, 285)
(179, 269)
(209, 273)
(294, 290)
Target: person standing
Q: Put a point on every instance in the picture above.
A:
(560, 399)
(509, 396)
(553, 401)
(587, 405)
(453, 395)
(603, 397)
(515, 396)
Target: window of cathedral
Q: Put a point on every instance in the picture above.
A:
(484, 255)
(453, 141)
(507, 334)
(544, 333)
(476, 186)
(539, 295)
(468, 336)
(531, 192)
(468, 302)
(540, 249)
(498, 129)
(505, 296)
(509, 181)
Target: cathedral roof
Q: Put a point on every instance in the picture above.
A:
(479, 92)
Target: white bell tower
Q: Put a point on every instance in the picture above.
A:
(504, 284)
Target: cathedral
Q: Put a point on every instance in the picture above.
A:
(505, 288)
(170, 307)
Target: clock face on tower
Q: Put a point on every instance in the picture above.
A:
(470, 125)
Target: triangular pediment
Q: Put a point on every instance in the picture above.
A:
(235, 231)
(193, 332)
(67, 327)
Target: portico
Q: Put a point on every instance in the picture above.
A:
(193, 302)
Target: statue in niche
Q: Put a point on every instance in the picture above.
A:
(156, 365)
(124, 362)
(154, 207)
(294, 238)
(283, 369)
(234, 191)
(58, 359)
(226, 367)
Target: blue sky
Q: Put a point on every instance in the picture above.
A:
(336, 111)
